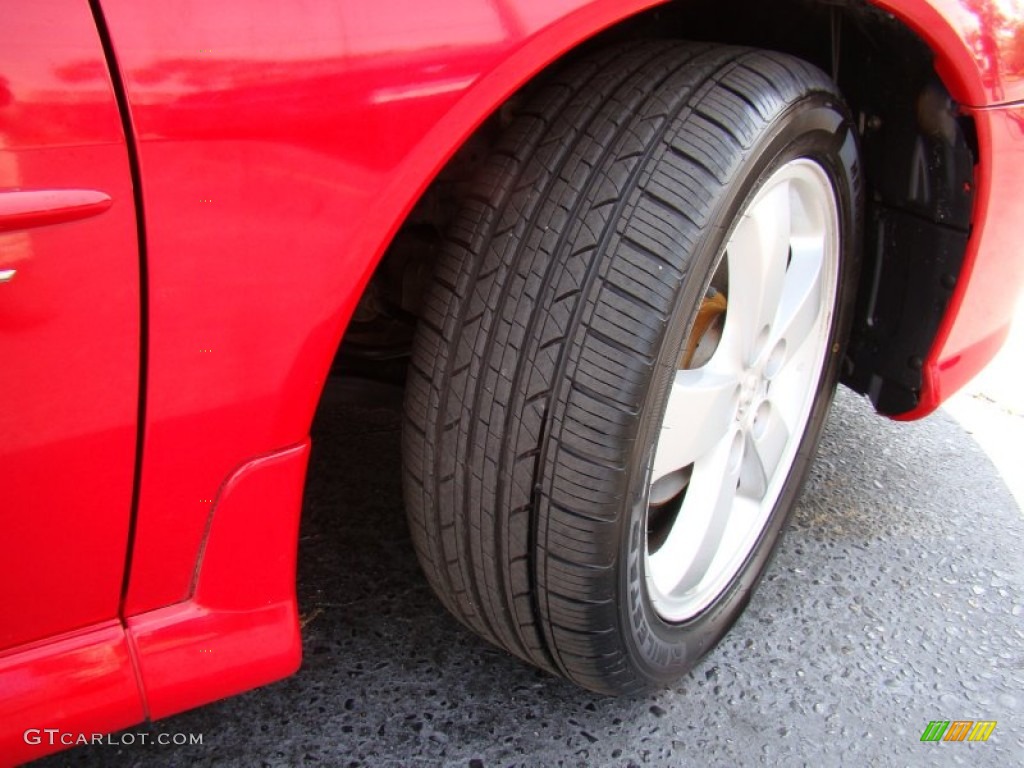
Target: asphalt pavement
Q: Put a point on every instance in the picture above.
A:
(897, 598)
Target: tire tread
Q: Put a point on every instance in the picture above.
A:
(541, 328)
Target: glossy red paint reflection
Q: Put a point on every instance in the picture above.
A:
(994, 32)
(239, 628)
(978, 45)
(69, 326)
(31, 208)
(81, 683)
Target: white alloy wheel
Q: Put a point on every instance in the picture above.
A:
(732, 427)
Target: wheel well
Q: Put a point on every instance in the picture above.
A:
(918, 155)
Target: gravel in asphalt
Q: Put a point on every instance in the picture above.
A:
(897, 598)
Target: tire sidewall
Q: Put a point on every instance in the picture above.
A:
(816, 127)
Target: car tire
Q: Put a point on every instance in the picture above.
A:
(627, 354)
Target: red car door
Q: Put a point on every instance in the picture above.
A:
(69, 326)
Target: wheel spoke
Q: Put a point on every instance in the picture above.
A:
(790, 385)
(700, 408)
(765, 446)
(684, 558)
(800, 304)
(757, 255)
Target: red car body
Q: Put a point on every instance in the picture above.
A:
(193, 196)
